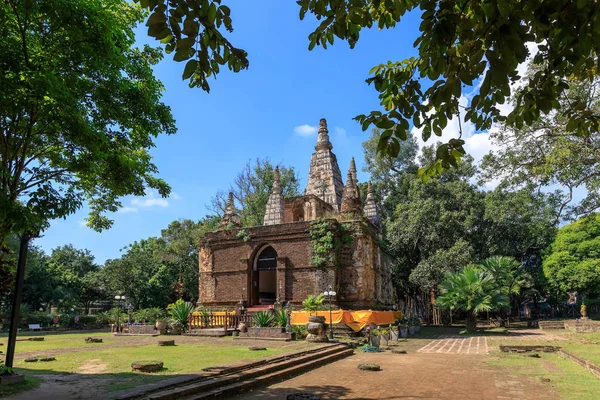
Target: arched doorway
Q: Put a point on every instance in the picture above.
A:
(264, 277)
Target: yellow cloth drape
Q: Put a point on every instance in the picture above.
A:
(356, 320)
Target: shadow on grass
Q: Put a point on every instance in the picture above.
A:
(46, 383)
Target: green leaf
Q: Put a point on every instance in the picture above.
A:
(156, 18)
(189, 69)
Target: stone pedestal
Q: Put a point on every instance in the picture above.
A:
(316, 330)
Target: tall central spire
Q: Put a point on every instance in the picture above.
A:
(324, 176)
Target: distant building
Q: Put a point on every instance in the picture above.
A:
(276, 261)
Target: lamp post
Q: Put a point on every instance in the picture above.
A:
(129, 308)
(329, 293)
(119, 298)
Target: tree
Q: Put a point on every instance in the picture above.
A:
(473, 291)
(546, 154)
(178, 248)
(436, 227)
(463, 47)
(388, 173)
(79, 109)
(77, 278)
(141, 276)
(252, 188)
(572, 262)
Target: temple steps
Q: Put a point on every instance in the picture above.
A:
(237, 378)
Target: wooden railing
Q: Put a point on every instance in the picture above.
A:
(220, 320)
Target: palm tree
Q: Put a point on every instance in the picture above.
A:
(509, 276)
(471, 290)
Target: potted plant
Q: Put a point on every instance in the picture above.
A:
(411, 326)
(403, 326)
(384, 335)
(394, 333)
(417, 324)
(8, 376)
(180, 312)
(375, 338)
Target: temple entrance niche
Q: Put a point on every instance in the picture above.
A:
(264, 277)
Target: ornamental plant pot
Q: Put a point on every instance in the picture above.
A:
(7, 379)
(394, 335)
(403, 332)
(383, 340)
(161, 326)
(375, 341)
(417, 328)
(411, 330)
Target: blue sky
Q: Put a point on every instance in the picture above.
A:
(250, 114)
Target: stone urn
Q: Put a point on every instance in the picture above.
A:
(161, 326)
(316, 329)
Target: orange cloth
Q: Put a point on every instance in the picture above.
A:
(356, 320)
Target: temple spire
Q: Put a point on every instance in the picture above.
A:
(353, 170)
(351, 203)
(323, 142)
(324, 177)
(275, 210)
(230, 218)
(370, 209)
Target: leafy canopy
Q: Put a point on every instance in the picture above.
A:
(461, 43)
(546, 154)
(79, 110)
(464, 47)
(572, 262)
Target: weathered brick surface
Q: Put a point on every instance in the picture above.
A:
(363, 278)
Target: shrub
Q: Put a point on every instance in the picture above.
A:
(264, 319)
(4, 370)
(313, 302)
(149, 315)
(280, 317)
(38, 317)
(88, 320)
(300, 331)
(180, 312)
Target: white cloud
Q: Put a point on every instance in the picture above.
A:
(127, 210)
(340, 131)
(82, 223)
(175, 196)
(305, 130)
(150, 200)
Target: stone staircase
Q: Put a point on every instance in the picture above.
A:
(551, 324)
(229, 380)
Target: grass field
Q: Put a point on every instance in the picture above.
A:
(570, 380)
(108, 365)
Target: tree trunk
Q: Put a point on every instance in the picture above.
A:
(471, 323)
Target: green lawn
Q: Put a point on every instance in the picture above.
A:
(570, 380)
(590, 351)
(54, 341)
(110, 367)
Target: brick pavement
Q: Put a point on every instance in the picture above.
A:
(409, 376)
(457, 344)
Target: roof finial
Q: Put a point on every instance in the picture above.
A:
(323, 139)
(230, 218)
(277, 181)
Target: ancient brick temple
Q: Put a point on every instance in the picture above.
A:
(286, 260)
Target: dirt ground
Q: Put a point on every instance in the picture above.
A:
(409, 376)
